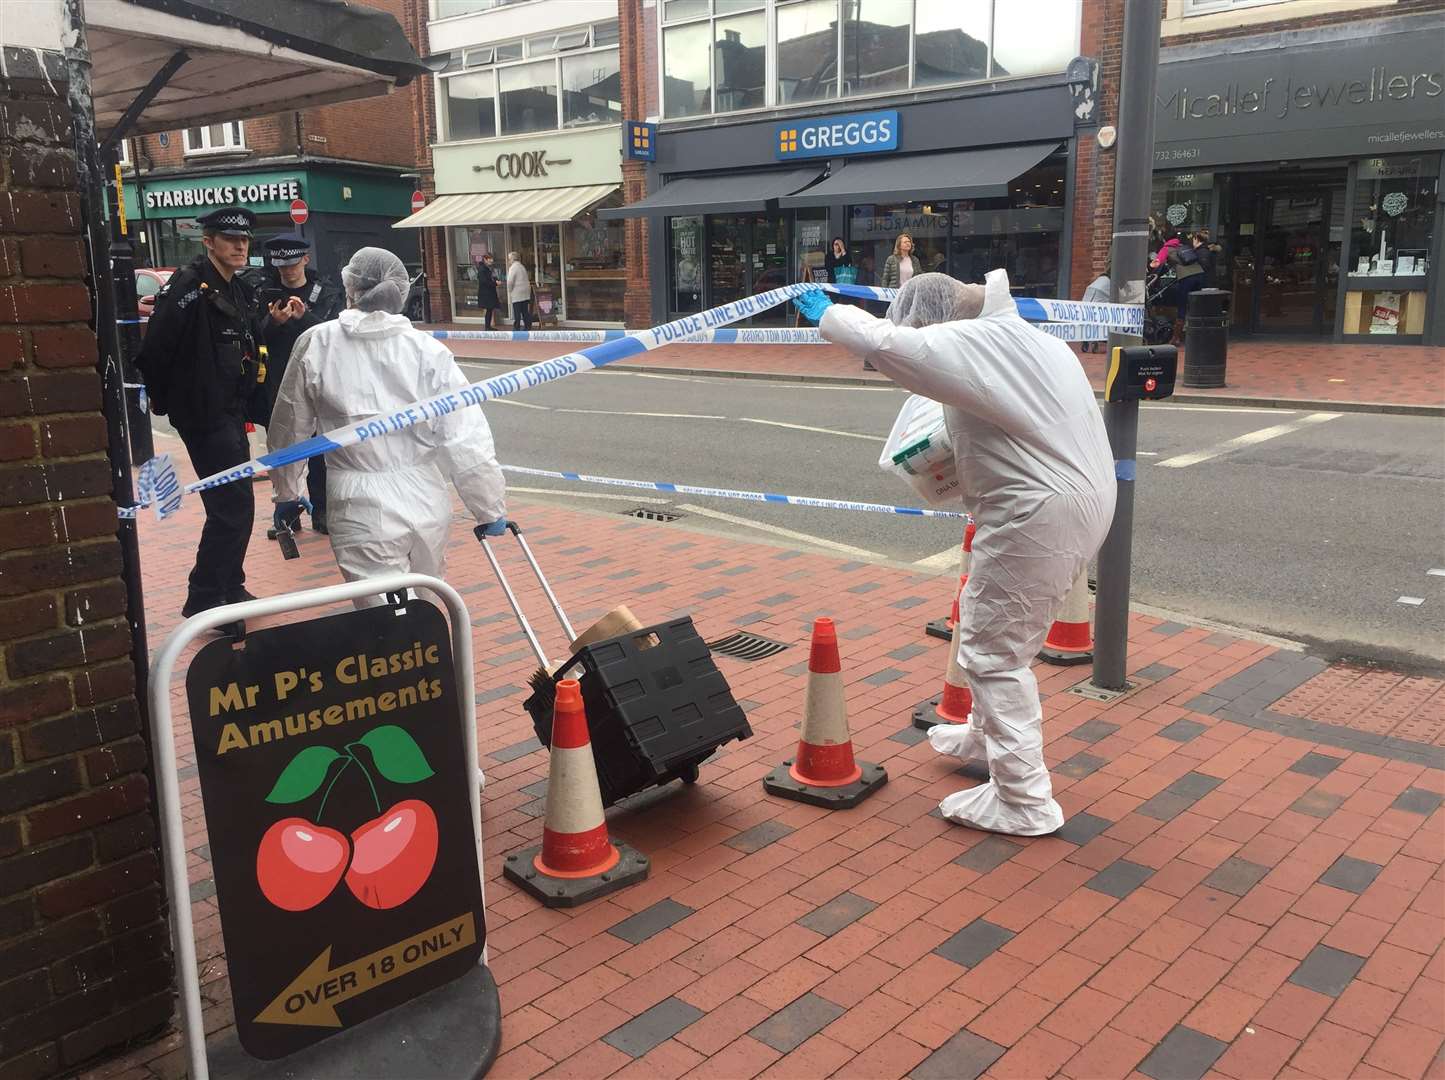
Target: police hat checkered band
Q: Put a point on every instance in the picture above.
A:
(233, 219)
(287, 254)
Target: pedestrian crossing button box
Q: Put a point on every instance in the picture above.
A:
(1141, 373)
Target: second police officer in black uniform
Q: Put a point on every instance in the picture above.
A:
(204, 369)
(308, 301)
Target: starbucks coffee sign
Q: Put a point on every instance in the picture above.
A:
(264, 193)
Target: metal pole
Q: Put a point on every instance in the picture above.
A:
(1133, 173)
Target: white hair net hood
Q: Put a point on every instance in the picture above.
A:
(929, 299)
(376, 280)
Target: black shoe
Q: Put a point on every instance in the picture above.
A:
(868, 367)
(239, 595)
(235, 630)
(318, 522)
(195, 605)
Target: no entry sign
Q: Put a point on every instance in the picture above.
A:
(299, 211)
(418, 200)
(339, 819)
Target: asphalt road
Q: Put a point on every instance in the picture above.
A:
(1310, 526)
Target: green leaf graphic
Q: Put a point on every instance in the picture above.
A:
(397, 756)
(303, 775)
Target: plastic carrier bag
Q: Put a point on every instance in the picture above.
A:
(919, 450)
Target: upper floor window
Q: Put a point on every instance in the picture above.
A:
(556, 80)
(1210, 7)
(216, 138)
(445, 9)
(716, 53)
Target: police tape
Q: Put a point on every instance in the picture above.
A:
(732, 493)
(1064, 331)
(546, 371)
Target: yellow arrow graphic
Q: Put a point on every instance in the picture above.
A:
(311, 998)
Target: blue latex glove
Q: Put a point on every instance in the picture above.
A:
(812, 304)
(287, 514)
(495, 528)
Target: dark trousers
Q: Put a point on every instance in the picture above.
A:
(230, 511)
(487, 317)
(316, 483)
(521, 314)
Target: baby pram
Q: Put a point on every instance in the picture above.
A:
(1158, 326)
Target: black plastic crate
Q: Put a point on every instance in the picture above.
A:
(654, 714)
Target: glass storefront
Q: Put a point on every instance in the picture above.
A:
(177, 241)
(577, 267)
(722, 257)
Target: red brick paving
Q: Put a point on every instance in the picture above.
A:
(1286, 371)
(1087, 986)
(1368, 699)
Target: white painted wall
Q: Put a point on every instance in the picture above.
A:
(512, 21)
(31, 24)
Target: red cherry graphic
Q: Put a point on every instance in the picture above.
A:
(393, 854)
(298, 863)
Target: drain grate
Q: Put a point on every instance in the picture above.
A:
(644, 514)
(745, 646)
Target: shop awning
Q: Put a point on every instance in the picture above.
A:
(735, 193)
(237, 61)
(960, 174)
(508, 207)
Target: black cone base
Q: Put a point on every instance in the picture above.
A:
(939, 628)
(780, 782)
(570, 892)
(1065, 659)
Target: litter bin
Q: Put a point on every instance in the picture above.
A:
(1206, 338)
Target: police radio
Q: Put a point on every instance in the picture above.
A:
(1141, 373)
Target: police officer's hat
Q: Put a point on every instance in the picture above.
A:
(229, 220)
(286, 250)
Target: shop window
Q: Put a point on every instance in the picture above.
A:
(740, 62)
(875, 45)
(1394, 216)
(591, 89)
(471, 105)
(686, 79)
(215, 138)
(807, 51)
(528, 97)
(1180, 204)
(596, 266)
(951, 43)
(1026, 43)
(468, 246)
(684, 264)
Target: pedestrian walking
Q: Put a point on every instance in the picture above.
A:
(838, 263)
(388, 501)
(291, 283)
(1185, 260)
(902, 264)
(201, 363)
(1037, 475)
(519, 292)
(488, 299)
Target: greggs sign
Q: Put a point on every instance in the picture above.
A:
(837, 136)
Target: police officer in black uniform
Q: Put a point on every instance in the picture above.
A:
(308, 302)
(203, 368)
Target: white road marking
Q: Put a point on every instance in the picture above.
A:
(584, 494)
(778, 530)
(805, 427)
(1146, 453)
(663, 415)
(519, 404)
(1413, 601)
(1220, 408)
(947, 559)
(1436, 573)
(1249, 438)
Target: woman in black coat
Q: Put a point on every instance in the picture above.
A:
(487, 298)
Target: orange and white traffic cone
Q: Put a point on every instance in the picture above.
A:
(824, 772)
(954, 704)
(943, 628)
(576, 860)
(1070, 640)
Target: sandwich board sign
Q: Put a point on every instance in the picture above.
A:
(333, 777)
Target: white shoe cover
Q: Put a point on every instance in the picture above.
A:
(981, 808)
(963, 741)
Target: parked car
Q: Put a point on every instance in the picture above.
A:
(148, 282)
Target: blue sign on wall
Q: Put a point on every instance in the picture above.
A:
(838, 136)
(641, 141)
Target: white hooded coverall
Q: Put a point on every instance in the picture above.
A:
(1037, 474)
(388, 506)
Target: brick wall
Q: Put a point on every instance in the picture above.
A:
(84, 948)
(1103, 39)
(634, 56)
(424, 132)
